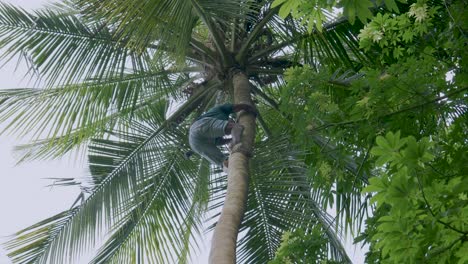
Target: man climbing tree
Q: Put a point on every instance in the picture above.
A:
(207, 132)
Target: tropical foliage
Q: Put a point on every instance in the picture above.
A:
(366, 118)
(405, 117)
(302, 247)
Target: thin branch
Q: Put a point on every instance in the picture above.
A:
(393, 113)
(440, 250)
(429, 208)
(426, 103)
(453, 20)
(438, 172)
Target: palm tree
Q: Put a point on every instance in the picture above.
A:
(124, 79)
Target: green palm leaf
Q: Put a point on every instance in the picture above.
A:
(279, 200)
(35, 237)
(131, 170)
(337, 45)
(65, 48)
(69, 116)
(164, 212)
(169, 23)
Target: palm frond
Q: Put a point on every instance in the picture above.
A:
(28, 244)
(139, 159)
(63, 47)
(335, 46)
(69, 116)
(256, 31)
(164, 213)
(279, 200)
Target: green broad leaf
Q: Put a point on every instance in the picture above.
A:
(363, 11)
(424, 147)
(391, 5)
(398, 52)
(461, 253)
(384, 159)
(350, 11)
(417, 151)
(461, 187)
(316, 20)
(288, 7)
(278, 3)
(394, 139)
(375, 185)
(379, 199)
(385, 251)
(380, 20)
(386, 218)
(383, 148)
(388, 226)
(310, 25)
(408, 36)
(388, 147)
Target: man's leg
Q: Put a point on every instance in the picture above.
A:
(210, 152)
(235, 130)
(202, 139)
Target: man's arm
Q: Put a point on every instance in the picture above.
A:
(248, 108)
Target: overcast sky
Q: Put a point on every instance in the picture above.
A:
(24, 199)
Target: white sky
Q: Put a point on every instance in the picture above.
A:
(24, 199)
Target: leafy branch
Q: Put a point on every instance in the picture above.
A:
(392, 113)
(429, 208)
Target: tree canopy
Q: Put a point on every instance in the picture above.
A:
(362, 110)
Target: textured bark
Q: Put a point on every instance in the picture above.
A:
(223, 244)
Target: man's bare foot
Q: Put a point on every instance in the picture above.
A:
(236, 133)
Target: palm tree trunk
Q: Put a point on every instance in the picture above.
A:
(223, 244)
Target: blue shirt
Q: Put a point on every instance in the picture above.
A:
(220, 112)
